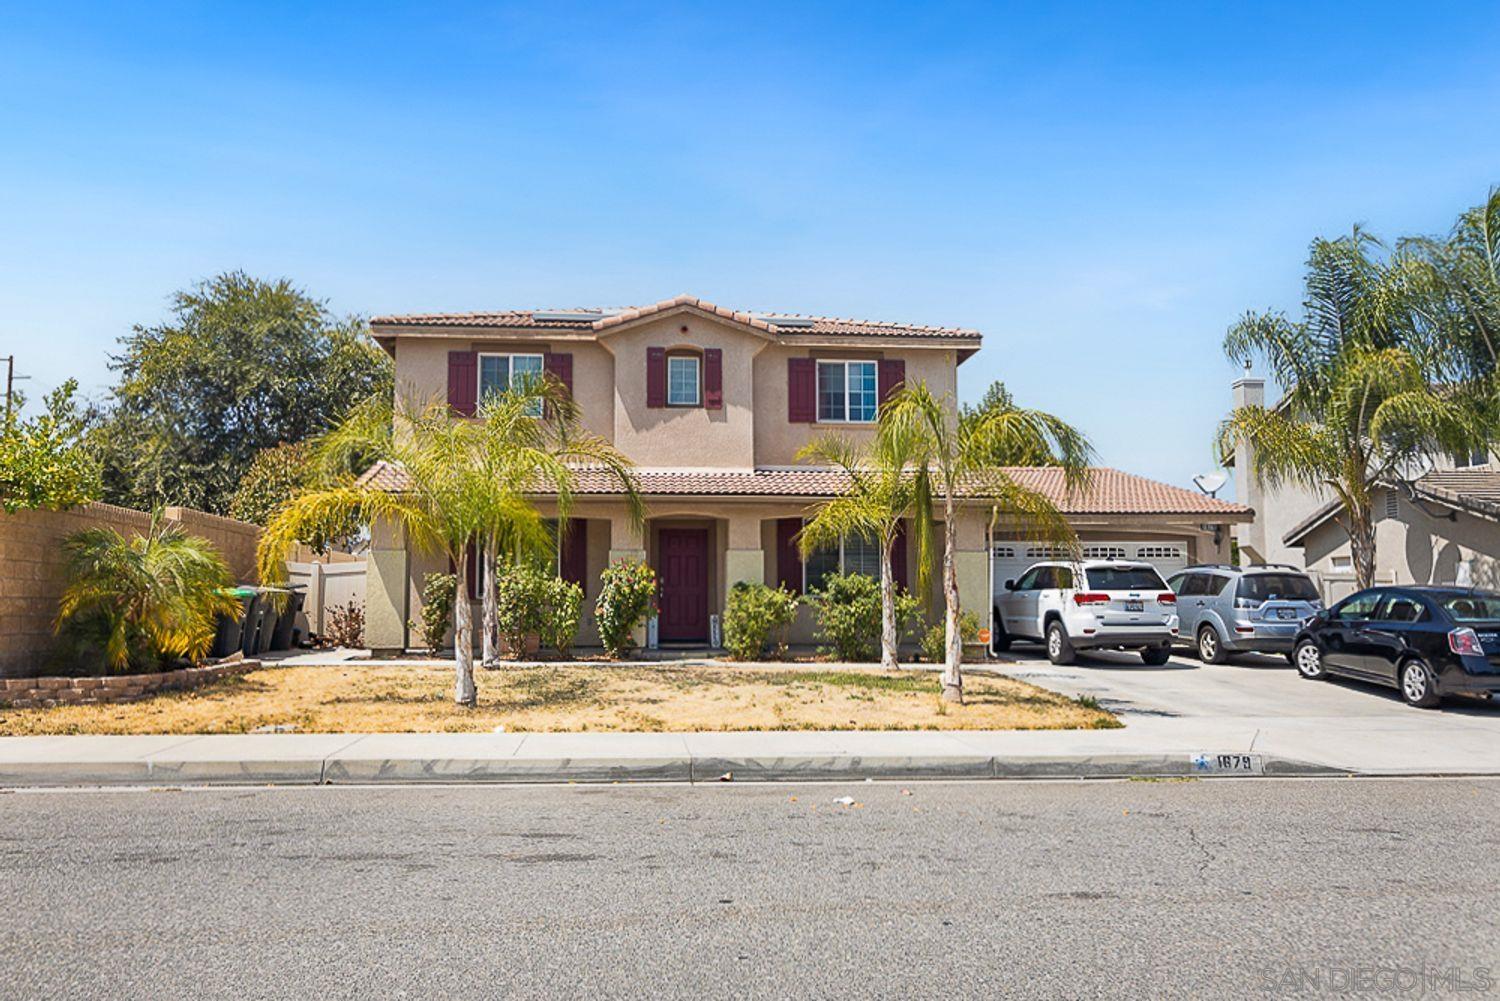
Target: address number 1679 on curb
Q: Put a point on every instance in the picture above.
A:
(1228, 764)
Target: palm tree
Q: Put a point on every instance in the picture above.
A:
(882, 491)
(958, 458)
(1366, 402)
(156, 595)
(1457, 280)
(520, 455)
(469, 480)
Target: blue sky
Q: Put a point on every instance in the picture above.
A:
(1100, 189)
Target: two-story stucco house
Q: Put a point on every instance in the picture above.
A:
(712, 405)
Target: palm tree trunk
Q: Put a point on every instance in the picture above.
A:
(953, 678)
(464, 692)
(491, 613)
(888, 639)
(1362, 546)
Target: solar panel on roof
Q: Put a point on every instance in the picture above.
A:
(569, 316)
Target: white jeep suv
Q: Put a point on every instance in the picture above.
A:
(1092, 605)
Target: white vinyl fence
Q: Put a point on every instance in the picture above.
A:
(329, 585)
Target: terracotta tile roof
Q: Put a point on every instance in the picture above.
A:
(1111, 492)
(600, 320)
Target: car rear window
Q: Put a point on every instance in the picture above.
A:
(1124, 579)
(1274, 586)
(1473, 607)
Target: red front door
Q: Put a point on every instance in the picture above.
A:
(682, 561)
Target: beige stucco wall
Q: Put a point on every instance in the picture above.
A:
(609, 384)
(1413, 548)
(422, 371)
(777, 440)
(692, 437)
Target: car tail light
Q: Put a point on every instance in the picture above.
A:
(1166, 598)
(1465, 642)
(1090, 598)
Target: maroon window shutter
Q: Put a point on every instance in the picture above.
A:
(713, 378)
(788, 560)
(801, 390)
(560, 367)
(898, 557)
(892, 375)
(656, 377)
(463, 382)
(574, 564)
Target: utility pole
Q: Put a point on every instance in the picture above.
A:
(10, 383)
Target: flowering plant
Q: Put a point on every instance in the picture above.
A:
(627, 594)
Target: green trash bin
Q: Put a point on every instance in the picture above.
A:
(228, 637)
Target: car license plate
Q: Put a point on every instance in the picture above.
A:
(1135, 606)
(1286, 613)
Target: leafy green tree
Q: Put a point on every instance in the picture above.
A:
(1367, 400)
(242, 365)
(276, 475)
(849, 610)
(997, 399)
(955, 462)
(149, 599)
(46, 462)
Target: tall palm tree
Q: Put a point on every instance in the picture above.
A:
(882, 491)
(521, 455)
(957, 459)
(1367, 402)
(156, 595)
(469, 480)
(1458, 282)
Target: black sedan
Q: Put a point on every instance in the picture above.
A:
(1424, 641)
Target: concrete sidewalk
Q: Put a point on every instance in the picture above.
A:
(1148, 747)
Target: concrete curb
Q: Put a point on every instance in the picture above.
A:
(349, 767)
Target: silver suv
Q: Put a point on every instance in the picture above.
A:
(1225, 610)
(1093, 605)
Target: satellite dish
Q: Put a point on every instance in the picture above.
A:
(1210, 483)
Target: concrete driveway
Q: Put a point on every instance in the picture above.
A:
(1348, 723)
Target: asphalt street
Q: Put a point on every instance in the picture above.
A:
(1224, 888)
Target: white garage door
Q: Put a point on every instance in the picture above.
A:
(1012, 557)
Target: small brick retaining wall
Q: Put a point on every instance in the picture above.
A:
(33, 567)
(28, 693)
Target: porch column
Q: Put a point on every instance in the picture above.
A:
(744, 560)
(385, 589)
(972, 561)
(626, 542)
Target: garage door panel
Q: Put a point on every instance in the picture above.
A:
(1011, 557)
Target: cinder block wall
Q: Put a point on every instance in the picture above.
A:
(33, 568)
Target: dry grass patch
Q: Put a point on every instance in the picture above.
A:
(360, 699)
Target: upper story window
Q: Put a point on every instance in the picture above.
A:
(847, 391)
(497, 373)
(684, 380)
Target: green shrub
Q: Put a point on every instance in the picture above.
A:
(627, 594)
(934, 640)
(561, 610)
(438, 592)
(754, 615)
(848, 607)
(520, 596)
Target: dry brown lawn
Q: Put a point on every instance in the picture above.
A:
(368, 699)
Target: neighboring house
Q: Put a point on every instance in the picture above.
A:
(1442, 527)
(712, 405)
